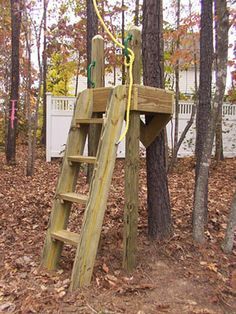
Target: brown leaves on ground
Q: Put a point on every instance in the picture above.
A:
(175, 276)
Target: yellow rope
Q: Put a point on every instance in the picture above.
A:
(128, 64)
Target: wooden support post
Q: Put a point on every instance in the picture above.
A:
(97, 55)
(98, 193)
(67, 181)
(132, 166)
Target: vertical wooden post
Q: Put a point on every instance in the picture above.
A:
(97, 55)
(132, 166)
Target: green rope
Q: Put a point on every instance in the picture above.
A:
(92, 65)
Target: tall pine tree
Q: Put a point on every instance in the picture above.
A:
(159, 213)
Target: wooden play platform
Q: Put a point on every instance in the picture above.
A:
(112, 102)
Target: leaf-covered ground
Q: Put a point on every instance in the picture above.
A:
(174, 276)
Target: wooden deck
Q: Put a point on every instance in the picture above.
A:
(145, 99)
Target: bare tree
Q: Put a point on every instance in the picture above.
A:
(177, 92)
(193, 113)
(221, 44)
(15, 79)
(44, 59)
(33, 119)
(201, 187)
(204, 106)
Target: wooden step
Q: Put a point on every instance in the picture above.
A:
(79, 158)
(66, 236)
(89, 121)
(73, 197)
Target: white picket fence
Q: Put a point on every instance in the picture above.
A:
(60, 111)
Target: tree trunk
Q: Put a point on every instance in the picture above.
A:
(77, 78)
(204, 107)
(29, 168)
(219, 153)
(15, 77)
(92, 30)
(221, 37)
(44, 59)
(206, 59)
(159, 213)
(200, 199)
(32, 140)
(227, 246)
(177, 93)
(136, 13)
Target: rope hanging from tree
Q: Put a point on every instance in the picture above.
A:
(129, 60)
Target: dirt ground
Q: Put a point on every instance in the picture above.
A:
(175, 276)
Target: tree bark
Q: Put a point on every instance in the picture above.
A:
(204, 106)
(227, 246)
(221, 38)
(44, 59)
(32, 140)
(177, 93)
(92, 30)
(159, 213)
(28, 42)
(15, 78)
(200, 199)
(136, 13)
(206, 59)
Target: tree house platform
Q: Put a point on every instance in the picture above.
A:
(90, 106)
(145, 99)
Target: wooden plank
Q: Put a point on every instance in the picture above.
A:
(132, 165)
(67, 181)
(73, 197)
(154, 100)
(66, 237)
(88, 121)
(82, 159)
(150, 99)
(97, 55)
(149, 132)
(98, 193)
(101, 97)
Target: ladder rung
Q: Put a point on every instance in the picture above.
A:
(85, 159)
(66, 236)
(89, 121)
(73, 197)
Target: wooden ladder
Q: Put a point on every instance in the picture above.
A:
(104, 162)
